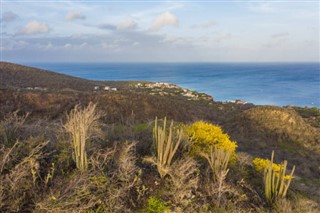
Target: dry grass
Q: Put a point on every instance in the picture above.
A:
(20, 174)
(185, 179)
(112, 181)
(11, 126)
(126, 161)
(80, 124)
(105, 187)
(218, 160)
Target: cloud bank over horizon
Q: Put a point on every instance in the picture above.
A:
(160, 32)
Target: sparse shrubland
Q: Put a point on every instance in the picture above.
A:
(192, 173)
(197, 165)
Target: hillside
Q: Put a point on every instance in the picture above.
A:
(127, 116)
(23, 77)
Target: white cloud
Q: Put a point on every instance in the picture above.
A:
(9, 16)
(205, 25)
(71, 16)
(165, 19)
(127, 25)
(33, 27)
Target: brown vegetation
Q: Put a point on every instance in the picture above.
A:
(38, 173)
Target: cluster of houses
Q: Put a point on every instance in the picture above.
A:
(197, 96)
(159, 88)
(161, 85)
(237, 102)
(36, 88)
(106, 88)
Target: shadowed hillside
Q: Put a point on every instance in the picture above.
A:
(265, 128)
(278, 124)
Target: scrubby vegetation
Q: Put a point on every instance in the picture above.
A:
(50, 173)
(202, 161)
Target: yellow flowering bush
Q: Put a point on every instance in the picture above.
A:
(261, 164)
(203, 135)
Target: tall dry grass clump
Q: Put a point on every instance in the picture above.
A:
(218, 160)
(80, 123)
(166, 145)
(185, 176)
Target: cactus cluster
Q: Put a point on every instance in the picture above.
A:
(276, 181)
(166, 145)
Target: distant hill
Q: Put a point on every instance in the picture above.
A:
(20, 77)
(277, 124)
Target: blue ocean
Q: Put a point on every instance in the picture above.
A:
(279, 84)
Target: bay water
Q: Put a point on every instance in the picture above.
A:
(278, 84)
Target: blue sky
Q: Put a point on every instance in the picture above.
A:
(160, 31)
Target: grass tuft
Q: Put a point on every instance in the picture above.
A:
(80, 123)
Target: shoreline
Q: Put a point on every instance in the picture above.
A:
(123, 84)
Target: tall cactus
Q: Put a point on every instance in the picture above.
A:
(166, 145)
(276, 182)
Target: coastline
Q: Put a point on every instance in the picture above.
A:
(279, 84)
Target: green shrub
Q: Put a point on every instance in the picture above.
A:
(156, 205)
(140, 127)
